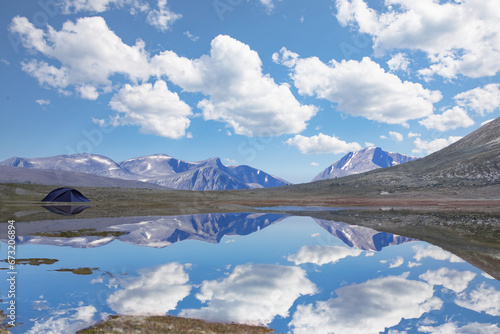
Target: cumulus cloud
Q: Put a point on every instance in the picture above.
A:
(162, 18)
(482, 299)
(96, 6)
(322, 144)
(69, 321)
(152, 107)
(458, 38)
(252, 294)
(454, 328)
(154, 291)
(482, 101)
(240, 95)
(396, 136)
(449, 278)
(413, 134)
(43, 102)
(88, 51)
(436, 253)
(398, 62)
(448, 120)
(427, 147)
(360, 88)
(369, 307)
(397, 262)
(88, 92)
(321, 255)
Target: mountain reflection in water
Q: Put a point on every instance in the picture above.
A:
(293, 274)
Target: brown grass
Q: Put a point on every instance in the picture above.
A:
(169, 325)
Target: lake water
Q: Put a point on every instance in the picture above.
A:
(293, 274)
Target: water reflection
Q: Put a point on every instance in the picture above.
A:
(65, 210)
(294, 274)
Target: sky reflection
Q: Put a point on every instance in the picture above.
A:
(294, 274)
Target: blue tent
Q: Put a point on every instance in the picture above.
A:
(65, 195)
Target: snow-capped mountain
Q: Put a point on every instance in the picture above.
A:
(361, 237)
(361, 161)
(161, 232)
(81, 162)
(208, 174)
(159, 169)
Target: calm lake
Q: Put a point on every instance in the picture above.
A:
(293, 274)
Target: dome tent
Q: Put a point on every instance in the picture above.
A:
(65, 195)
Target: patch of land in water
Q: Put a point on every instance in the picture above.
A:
(169, 324)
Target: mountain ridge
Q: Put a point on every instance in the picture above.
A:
(362, 161)
(159, 169)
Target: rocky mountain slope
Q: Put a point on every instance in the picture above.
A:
(361, 161)
(473, 161)
(159, 169)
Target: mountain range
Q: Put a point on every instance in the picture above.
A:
(473, 161)
(361, 161)
(160, 170)
(159, 232)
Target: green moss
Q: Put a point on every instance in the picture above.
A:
(79, 271)
(169, 324)
(86, 232)
(34, 261)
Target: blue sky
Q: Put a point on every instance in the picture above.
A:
(286, 86)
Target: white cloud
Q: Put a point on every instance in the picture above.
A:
(454, 328)
(360, 88)
(396, 136)
(315, 164)
(98, 121)
(162, 18)
(88, 51)
(155, 291)
(368, 307)
(98, 6)
(459, 38)
(483, 299)
(240, 95)
(435, 253)
(413, 134)
(322, 144)
(398, 62)
(67, 321)
(269, 4)
(43, 102)
(155, 109)
(397, 262)
(423, 146)
(449, 278)
(46, 74)
(321, 255)
(191, 36)
(448, 120)
(368, 144)
(285, 57)
(87, 92)
(482, 101)
(252, 294)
